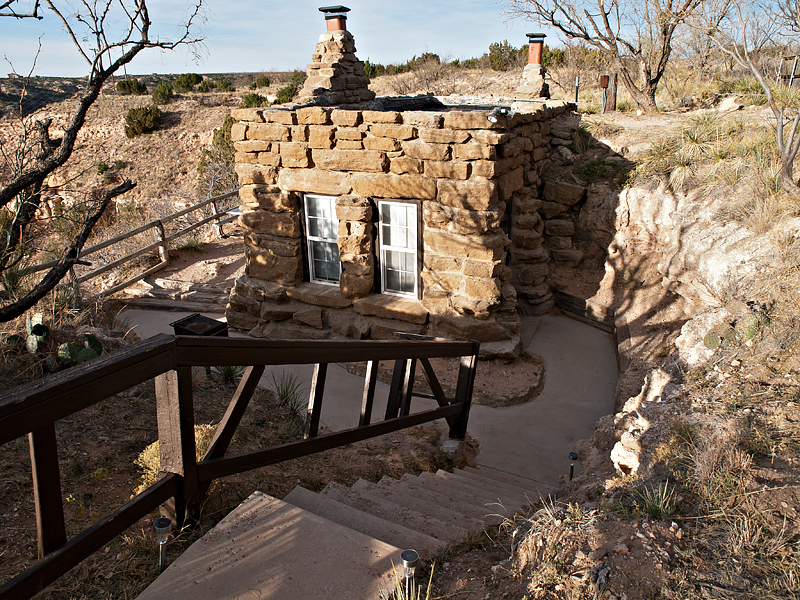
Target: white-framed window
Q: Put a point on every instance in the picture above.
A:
(398, 247)
(321, 232)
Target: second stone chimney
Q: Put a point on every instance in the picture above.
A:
(336, 76)
(533, 84)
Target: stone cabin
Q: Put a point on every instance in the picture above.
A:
(371, 218)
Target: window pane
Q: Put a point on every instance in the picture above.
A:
(398, 247)
(324, 261)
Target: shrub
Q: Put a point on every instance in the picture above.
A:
(142, 120)
(260, 82)
(373, 70)
(206, 86)
(252, 99)
(553, 58)
(503, 56)
(285, 94)
(215, 174)
(186, 82)
(131, 87)
(162, 94)
(223, 85)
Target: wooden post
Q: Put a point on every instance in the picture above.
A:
(466, 382)
(50, 530)
(163, 251)
(367, 399)
(395, 390)
(315, 400)
(611, 93)
(408, 387)
(175, 410)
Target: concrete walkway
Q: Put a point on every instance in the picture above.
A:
(531, 440)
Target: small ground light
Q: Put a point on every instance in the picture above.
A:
(410, 559)
(573, 456)
(162, 527)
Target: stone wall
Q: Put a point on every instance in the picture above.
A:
(477, 185)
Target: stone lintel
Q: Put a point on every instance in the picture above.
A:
(386, 306)
(319, 295)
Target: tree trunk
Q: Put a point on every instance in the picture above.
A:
(788, 183)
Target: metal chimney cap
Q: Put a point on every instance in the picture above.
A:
(534, 37)
(334, 9)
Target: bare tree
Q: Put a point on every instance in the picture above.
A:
(635, 35)
(108, 35)
(742, 30)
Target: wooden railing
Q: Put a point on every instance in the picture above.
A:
(34, 409)
(162, 245)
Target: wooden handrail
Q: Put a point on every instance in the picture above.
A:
(161, 244)
(34, 409)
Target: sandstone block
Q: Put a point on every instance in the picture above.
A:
(424, 151)
(394, 186)
(362, 161)
(382, 144)
(442, 136)
(492, 138)
(270, 159)
(540, 153)
(251, 146)
(314, 180)
(252, 115)
(523, 207)
(354, 244)
(467, 328)
(320, 137)
(474, 151)
(349, 133)
(446, 281)
(469, 195)
(244, 304)
(319, 295)
(349, 145)
(536, 255)
(263, 264)
(353, 208)
(403, 165)
(487, 247)
(277, 245)
(245, 158)
(516, 147)
(560, 227)
(299, 133)
(534, 292)
(397, 132)
(279, 224)
(255, 174)
(526, 240)
(239, 132)
(310, 316)
(268, 132)
(286, 330)
(345, 118)
(505, 350)
(240, 320)
(278, 115)
(526, 221)
(570, 257)
(469, 120)
(431, 120)
(464, 222)
(384, 306)
(563, 193)
(441, 264)
(295, 154)
(271, 311)
(384, 329)
(355, 286)
(482, 268)
(550, 210)
(483, 288)
(379, 116)
(358, 264)
(348, 228)
(347, 323)
(313, 115)
(511, 182)
(532, 275)
(447, 169)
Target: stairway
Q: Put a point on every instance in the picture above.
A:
(343, 542)
(173, 294)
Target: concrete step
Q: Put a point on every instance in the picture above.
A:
(448, 501)
(436, 490)
(500, 504)
(499, 493)
(169, 304)
(493, 483)
(391, 511)
(446, 514)
(368, 524)
(532, 487)
(267, 548)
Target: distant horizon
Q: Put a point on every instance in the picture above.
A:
(245, 39)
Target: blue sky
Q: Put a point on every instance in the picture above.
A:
(258, 35)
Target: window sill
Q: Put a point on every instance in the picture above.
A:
(318, 294)
(399, 308)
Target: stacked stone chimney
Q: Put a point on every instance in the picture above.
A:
(336, 76)
(533, 84)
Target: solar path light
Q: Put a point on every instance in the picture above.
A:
(410, 559)
(162, 527)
